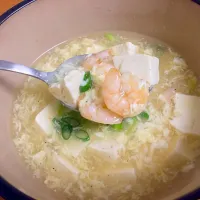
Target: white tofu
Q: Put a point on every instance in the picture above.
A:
(125, 49)
(71, 84)
(64, 162)
(144, 66)
(106, 149)
(44, 123)
(68, 89)
(44, 118)
(123, 174)
(75, 146)
(55, 90)
(187, 113)
(181, 149)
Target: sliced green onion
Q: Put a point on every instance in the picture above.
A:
(135, 120)
(66, 131)
(143, 116)
(70, 120)
(57, 124)
(117, 127)
(74, 114)
(56, 121)
(86, 83)
(61, 110)
(133, 125)
(82, 135)
(109, 36)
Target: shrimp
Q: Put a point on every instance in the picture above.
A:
(101, 69)
(99, 72)
(97, 58)
(125, 95)
(99, 64)
(93, 108)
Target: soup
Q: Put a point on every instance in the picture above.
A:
(125, 161)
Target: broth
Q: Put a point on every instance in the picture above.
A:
(147, 152)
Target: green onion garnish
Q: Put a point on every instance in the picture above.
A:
(63, 127)
(143, 116)
(61, 110)
(57, 124)
(109, 36)
(68, 125)
(133, 125)
(86, 83)
(70, 120)
(117, 127)
(135, 120)
(82, 135)
(66, 131)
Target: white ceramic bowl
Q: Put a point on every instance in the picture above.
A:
(44, 23)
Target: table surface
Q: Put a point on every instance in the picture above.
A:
(6, 4)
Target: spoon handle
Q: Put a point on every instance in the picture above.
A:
(13, 67)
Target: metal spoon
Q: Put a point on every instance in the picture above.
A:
(47, 77)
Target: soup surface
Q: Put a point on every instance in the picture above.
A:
(121, 162)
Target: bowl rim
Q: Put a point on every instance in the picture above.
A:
(6, 15)
(5, 185)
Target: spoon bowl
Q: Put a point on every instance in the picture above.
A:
(48, 77)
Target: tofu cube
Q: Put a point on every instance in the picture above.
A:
(68, 89)
(187, 112)
(62, 163)
(180, 153)
(74, 146)
(44, 118)
(124, 49)
(55, 90)
(144, 66)
(106, 149)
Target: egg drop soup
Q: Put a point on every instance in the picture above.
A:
(105, 161)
